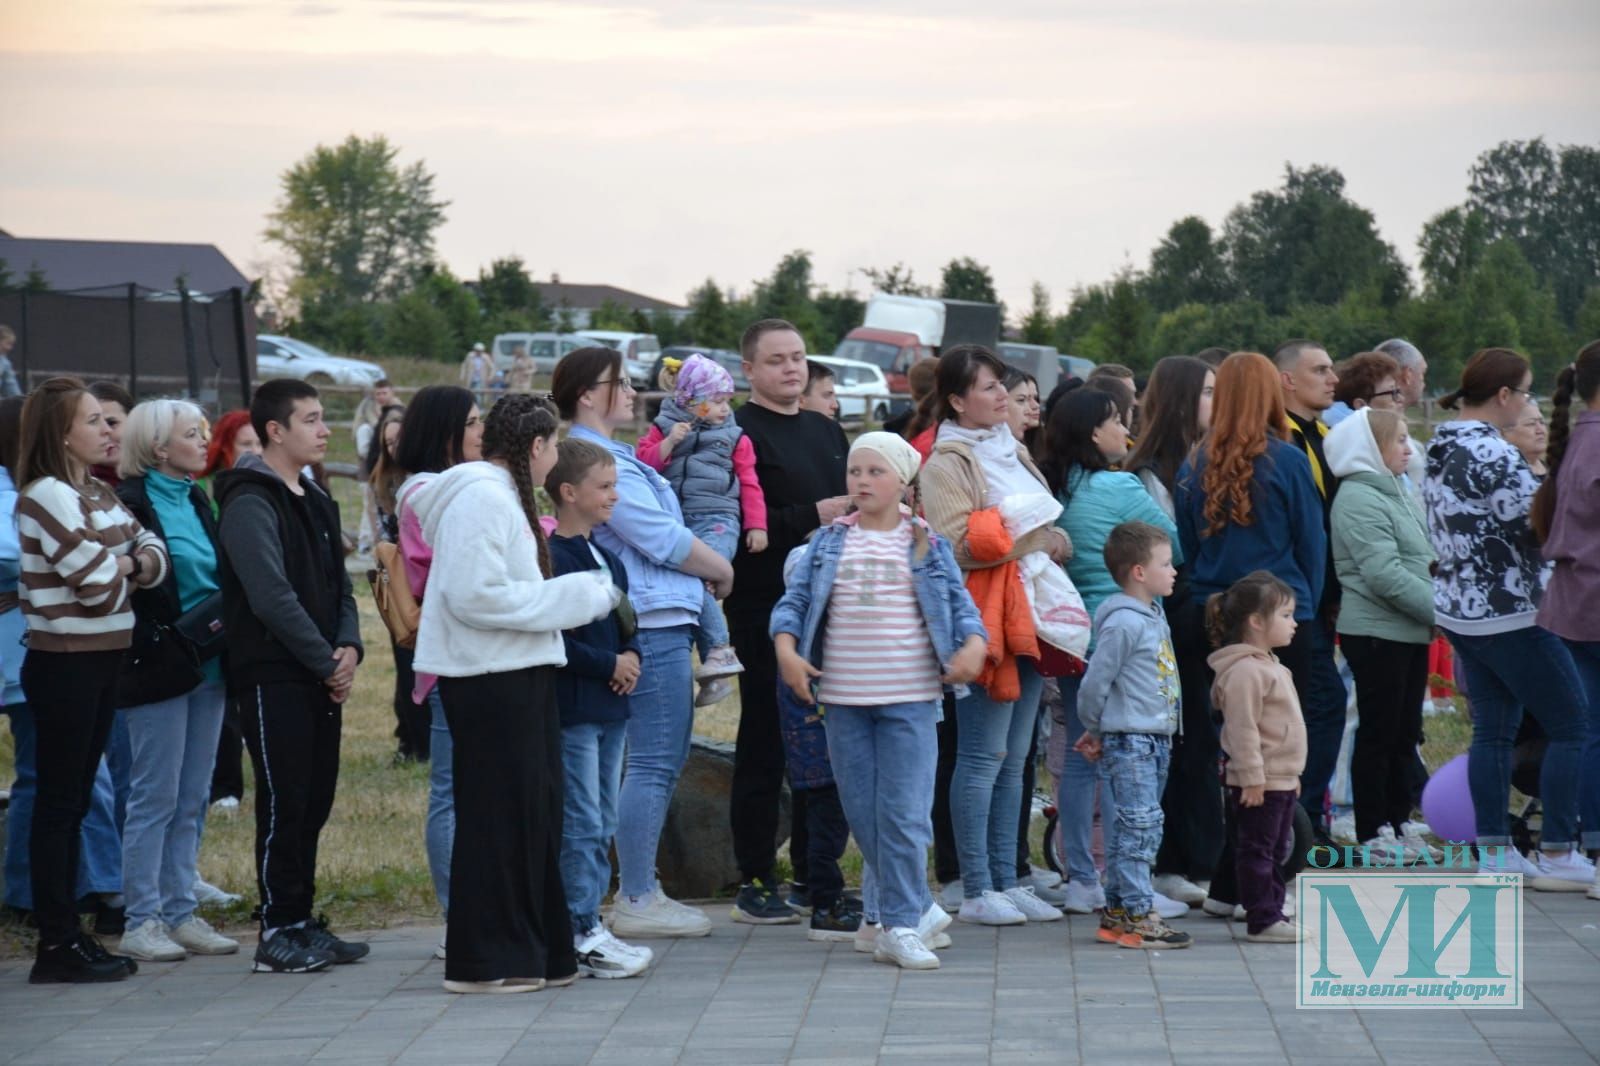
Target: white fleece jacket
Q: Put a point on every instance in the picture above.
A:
(488, 609)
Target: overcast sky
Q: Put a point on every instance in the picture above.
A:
(651, 145)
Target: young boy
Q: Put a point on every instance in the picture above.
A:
(1128, 703)
(592, 692)
(294, 641)
(821, 395)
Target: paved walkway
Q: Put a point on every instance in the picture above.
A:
(1034, 994)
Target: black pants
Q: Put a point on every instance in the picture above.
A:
(73, 696)
(1323, 700)
(758, 760)
(1262, 835)
(1192, 802)
(946, 862)
(827, 833)
(413, 726)
(1391, 679)
(508, 912)
(292, 730)
(227, 777)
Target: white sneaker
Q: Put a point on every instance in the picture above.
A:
(1342, 829)
(904, 948)
(1032, 907)
(197, 937)
(935, 920)
(502, 986)
(653, 914)
(1044, 877)
(1506, 859)
(1215, 908)
(1180, 888)
(866, 937)
(227, 805)
(1084, 897)
(1278, 933)
(1412, 838)
(439, 952)
(1385, 849)
(209, 895)
(604, 956)
(150, 941)
(1594, 889)
(1570, 872)
(991, 908)
(950, 895)
(719, 662)
(712, 691)
(1167, 907)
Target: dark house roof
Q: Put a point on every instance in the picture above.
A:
(589, 297)
(69, 264)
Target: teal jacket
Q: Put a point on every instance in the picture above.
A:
(1380, 542)
(1093, 504)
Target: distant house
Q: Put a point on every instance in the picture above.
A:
(67, 265)
(582, 301)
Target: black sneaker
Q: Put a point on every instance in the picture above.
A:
(756, 904)
(80, 960)
(290, 951)
(836, 923)
(98, 950)
(343, 951)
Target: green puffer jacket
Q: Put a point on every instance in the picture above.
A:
(1380, 542)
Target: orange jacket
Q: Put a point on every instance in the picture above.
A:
(998, 592)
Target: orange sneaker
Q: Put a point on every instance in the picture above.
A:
(1114, 926)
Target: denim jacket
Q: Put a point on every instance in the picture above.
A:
(947, 607)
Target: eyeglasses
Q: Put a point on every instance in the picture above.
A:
(1394, 394)
(622, 383)
(1528, 394)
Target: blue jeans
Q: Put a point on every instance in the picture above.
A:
(99, 861)
(591, 762)
(1503, 674)
(1586, 657)
(440, 831)
(173, 748)
(721, 534)
(884, 760)
(1076, 794)
(986, 789)
(1135, 772)
(660, 717)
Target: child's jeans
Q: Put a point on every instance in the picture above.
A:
(806, 752)
(1134, 766)
(721, 534)
(1264, 835)
(591, 758)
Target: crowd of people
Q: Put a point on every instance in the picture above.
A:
(1168, 579)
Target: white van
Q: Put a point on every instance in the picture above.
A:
(546, 349)
(639, 351)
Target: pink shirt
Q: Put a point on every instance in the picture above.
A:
(418, 556)
(876, 649)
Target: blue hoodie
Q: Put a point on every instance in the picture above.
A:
(1286, 535)
(1131, 685)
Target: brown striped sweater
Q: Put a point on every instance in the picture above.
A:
(73, 596)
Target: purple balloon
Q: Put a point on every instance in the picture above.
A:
(1447, 803)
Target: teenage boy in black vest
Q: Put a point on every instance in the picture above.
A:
(293, 646)
(800, 462)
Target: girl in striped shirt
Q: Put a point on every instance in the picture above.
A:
(876, 620)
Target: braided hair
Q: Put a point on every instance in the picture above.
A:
(1582, 378)
(516, 421)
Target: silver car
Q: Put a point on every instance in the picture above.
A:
(286, 357)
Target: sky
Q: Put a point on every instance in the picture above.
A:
(653, 145)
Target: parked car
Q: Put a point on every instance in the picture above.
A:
(639, 351)
(546, 349)
(860, 387)
(286, 357)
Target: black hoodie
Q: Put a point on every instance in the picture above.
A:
(287, 600)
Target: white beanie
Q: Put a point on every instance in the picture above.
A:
(900, 455)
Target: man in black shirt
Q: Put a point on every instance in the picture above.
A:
(800, 462)
(1308, 386)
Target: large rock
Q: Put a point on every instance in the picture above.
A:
(696, 854)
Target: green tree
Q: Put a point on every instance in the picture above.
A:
(357, 226)
(407, 330)
(1452, 246)
(1307, 243)
(507, 286)
(611, 315)
(1187, 267)
(1039, 326)
(1123, 328)
(786, 294)
(33, 281)
(710, 321)
(840, 312)
(967, 279)
(899, 280)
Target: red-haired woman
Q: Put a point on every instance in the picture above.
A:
(1245, 501)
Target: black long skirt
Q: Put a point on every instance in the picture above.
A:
(508, 913)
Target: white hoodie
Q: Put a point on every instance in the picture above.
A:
(488, 609)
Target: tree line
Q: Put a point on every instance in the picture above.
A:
(1516, 263)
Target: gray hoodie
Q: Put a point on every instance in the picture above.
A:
(1131, 685)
